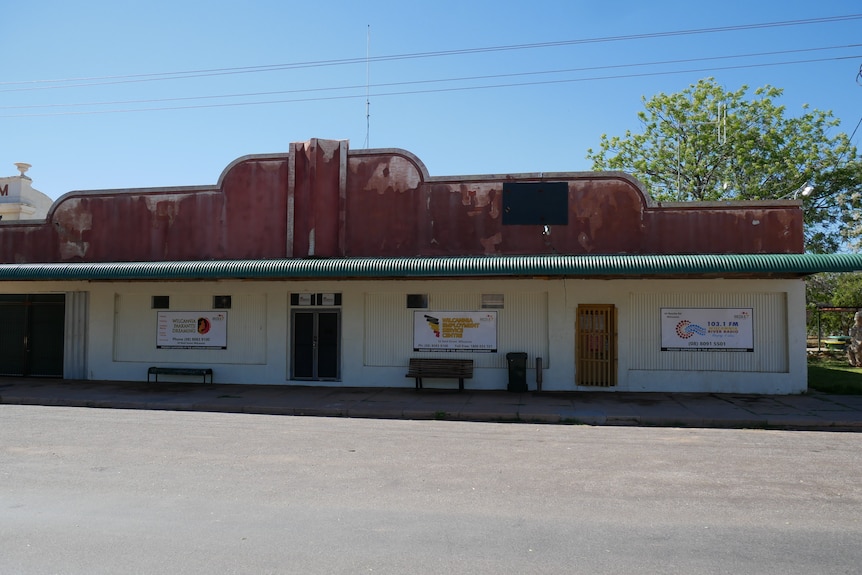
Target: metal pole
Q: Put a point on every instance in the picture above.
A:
(538, 374)
(819, 330)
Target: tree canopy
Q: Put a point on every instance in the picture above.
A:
(710, 144)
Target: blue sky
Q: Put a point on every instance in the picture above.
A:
(128, 94)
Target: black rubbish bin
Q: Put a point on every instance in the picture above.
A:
(517, 371)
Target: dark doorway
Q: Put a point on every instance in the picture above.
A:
(316, 344)
(31, 334)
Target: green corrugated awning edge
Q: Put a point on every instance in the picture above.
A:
(443, 267)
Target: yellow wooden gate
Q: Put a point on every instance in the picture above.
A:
(596, 345)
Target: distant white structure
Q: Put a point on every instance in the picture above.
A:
(19, 200)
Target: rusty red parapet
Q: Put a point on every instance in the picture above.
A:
(243, 217)
(321, 200)
(395, 208)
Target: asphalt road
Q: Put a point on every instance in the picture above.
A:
(114, 491)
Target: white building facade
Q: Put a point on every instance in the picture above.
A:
(334, 268)
(19, 200)
(362, 332)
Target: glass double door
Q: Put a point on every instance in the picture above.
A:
(31, 334)
(315, 344)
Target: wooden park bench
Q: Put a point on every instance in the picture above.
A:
(201, 371)
(459, 369)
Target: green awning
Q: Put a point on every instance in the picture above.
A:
(579, 266)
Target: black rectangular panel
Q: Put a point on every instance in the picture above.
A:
(303, 345)
(13, 332)
(47, 321)
(535, 203)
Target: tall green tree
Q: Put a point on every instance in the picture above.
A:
(707, 143)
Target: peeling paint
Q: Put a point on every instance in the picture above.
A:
(71, 225)
(73, 250)
(329, 148)
(153, 202)
(490, 244)
(76, 220)
(163, 210)
(398, 175)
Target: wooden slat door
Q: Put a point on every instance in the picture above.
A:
(596, 345)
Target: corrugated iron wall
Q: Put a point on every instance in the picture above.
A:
(135, 329)
(388, 329)
(522, 326)
(769, 323)
(75, 335)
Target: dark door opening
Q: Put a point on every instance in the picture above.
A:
(31, 334)
(316, 344)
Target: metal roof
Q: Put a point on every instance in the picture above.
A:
(612, 266)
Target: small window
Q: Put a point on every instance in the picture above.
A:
(329, 299)
(417, 300)
(492, 301)
(315, 299)
(221, 302)
(301, 298)
(161, 302)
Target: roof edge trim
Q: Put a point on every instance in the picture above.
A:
(448, 267)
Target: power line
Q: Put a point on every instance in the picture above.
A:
(439, 80)
(434, 90)
(160, 76)
(856, 128)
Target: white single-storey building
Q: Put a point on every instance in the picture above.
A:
(330, 267)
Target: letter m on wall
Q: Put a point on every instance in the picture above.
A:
(4, 190)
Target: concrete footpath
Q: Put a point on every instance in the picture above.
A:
(812, 411)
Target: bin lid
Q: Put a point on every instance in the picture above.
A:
(516, 355)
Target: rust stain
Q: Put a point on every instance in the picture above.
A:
(490, 244)
(71, 225)
(163, 209)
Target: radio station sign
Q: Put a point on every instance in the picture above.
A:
(707, 329)
(191, 330)
(455, 331)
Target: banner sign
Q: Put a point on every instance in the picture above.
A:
(192, 330)
(709, 329)
(455, 331)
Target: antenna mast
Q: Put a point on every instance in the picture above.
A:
(367, 88)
